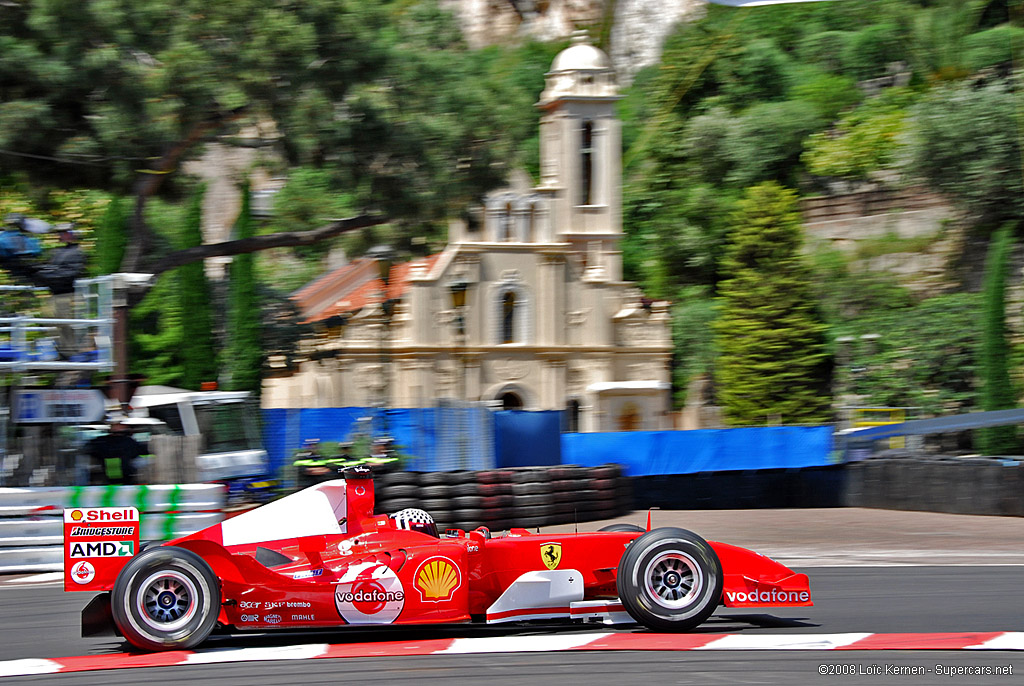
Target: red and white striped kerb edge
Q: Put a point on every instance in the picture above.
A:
(993, 640)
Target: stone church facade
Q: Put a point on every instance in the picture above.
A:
(547, 322)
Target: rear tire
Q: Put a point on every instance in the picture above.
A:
(669, 580)
(166, 598)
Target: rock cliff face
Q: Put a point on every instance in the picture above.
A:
(639, 27)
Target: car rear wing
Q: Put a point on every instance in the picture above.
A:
(98, 543)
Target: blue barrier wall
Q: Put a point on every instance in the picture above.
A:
(644, 453)
(432, 438)
(456, 438)
(527, 439)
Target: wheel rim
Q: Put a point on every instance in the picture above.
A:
(673, 579)
(167, 600)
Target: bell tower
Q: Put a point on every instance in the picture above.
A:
(581, 156)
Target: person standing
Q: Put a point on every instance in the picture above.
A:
(310, 465)
(66, 264)
(18, 250)
(112, 456)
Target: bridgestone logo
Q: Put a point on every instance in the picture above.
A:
(373, 596)
(769, 597)
(103, 531)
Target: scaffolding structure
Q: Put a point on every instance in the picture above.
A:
(35, 354)
(28, 342)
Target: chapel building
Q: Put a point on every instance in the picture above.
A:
(526, 309)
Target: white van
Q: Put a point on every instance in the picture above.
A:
(227, 423)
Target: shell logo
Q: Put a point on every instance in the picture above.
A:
(437, 579)
(76, 515)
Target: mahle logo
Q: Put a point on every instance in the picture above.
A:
(103, 549)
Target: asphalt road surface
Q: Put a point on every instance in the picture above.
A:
(951, 593)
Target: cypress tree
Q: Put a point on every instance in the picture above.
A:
(199, 354)
(111, 238)
(772, 364)
(245, 354)
(996, 387)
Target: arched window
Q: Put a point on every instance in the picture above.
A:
(572, 416)
(510, 313)
(508, 318)
(587, 164)
(505, 223)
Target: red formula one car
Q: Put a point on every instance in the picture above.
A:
(321, 558)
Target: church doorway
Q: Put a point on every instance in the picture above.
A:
(510, 401)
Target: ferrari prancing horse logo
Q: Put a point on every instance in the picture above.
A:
(551, 553)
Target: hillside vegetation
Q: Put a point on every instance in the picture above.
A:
(813, 97)
(381, 106)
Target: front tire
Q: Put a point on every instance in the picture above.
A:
(669, 580)
(166, 598)
(623, 528)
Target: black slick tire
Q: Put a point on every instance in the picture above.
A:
(669, 579)
(166, 598)
(622, 528)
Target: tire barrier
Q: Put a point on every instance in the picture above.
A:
(956, 485)
(31, 519)
(499, 499)
(746, 489)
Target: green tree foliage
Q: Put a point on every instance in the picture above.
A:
(996, 388)
(693, 349)
(755, 72)
(941, 40)
(198, 348)
(868, 52)
(922, 356)
(892, 349)
(867, 139)
(767, 140)
(966, 143)
(156, 328)
(772, 363)
(309, 198)
(111, 236)
(993, 48)
(385, 94)
(244, 354)
(830, 94)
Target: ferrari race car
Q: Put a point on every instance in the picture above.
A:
(321, 558)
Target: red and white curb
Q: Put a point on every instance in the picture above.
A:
(993, 640)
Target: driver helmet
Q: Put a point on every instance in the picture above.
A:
(415, 519)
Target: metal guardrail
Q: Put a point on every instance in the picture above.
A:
(938, 425)
(31, 519)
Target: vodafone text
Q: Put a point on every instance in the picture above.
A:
(772, 596)
(370, 596)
